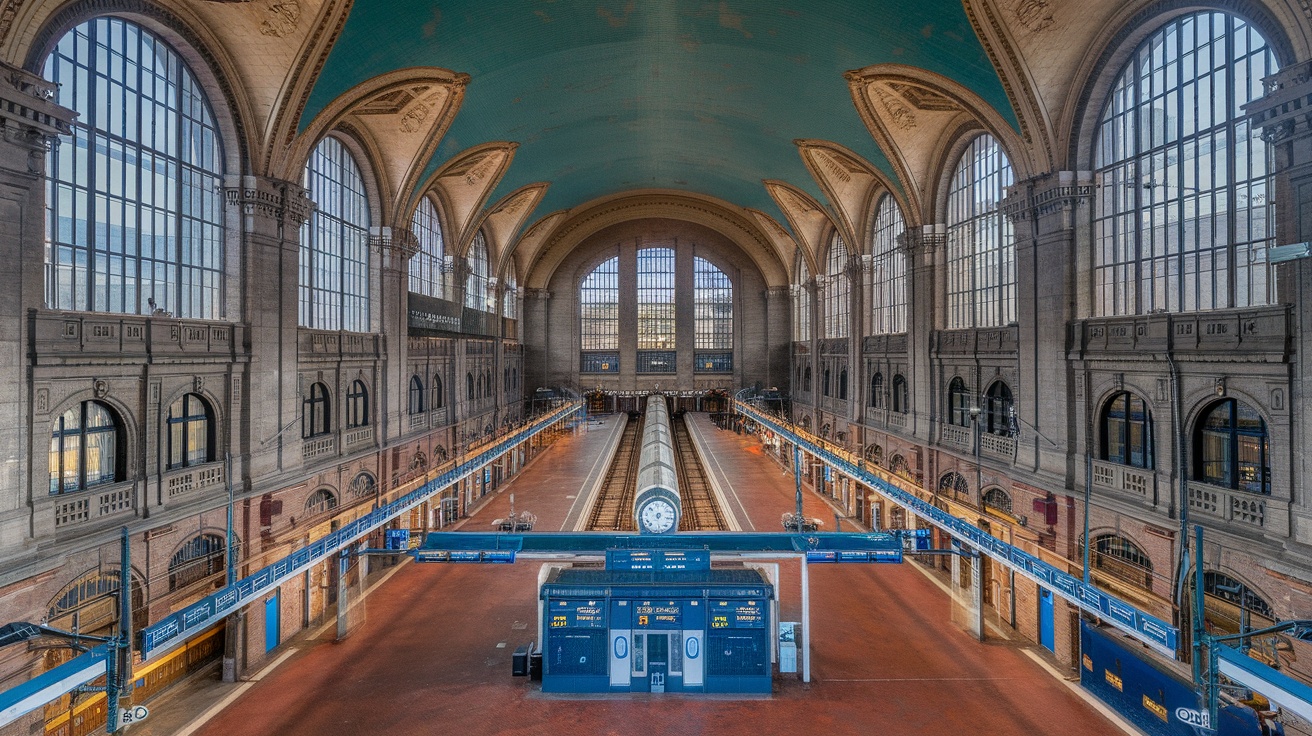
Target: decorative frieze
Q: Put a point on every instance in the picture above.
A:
(1247, 335)
(286, 202)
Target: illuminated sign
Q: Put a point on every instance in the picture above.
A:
(663, 615)
(737, 614)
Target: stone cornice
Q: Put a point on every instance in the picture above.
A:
(28, 114)
(260, 196)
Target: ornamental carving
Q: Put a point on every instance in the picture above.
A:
(897, 111)
(282, 18)
(100, 388)
(1034, 15)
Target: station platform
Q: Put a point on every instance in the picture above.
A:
(434, 651)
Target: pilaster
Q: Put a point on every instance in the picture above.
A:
(922, 248)
(778, 338)
(395, 247)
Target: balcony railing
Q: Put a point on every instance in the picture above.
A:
(1136, 482)
(358, 437)
(1237, 507)
(86, 507)
(897, 419)
(179, 482)
(958, 437)
(997, 446)
(319, 446)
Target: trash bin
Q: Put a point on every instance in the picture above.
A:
(519, 661)
(535, 664)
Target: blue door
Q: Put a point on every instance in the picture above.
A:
(1045, 620)
(271, 622)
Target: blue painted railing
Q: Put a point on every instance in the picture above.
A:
(177, 628)
(1154, 631)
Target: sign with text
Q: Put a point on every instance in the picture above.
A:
(577, 614)
(658, 560)
(737, 614)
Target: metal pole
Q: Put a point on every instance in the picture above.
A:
(231, 553)
(1088, 483)
(1198, 607)
(806, 621)
(797, 477)
(116, 663)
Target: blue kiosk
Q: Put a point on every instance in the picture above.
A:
(657, 621)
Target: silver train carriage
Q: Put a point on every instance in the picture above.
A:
(656, 505)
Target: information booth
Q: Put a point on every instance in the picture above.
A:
(657, 621)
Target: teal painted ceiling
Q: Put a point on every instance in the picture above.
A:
(615, 95)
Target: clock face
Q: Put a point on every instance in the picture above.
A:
(657, 516)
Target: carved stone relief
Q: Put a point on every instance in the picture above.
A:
(282, 18)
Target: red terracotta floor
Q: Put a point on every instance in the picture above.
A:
(426, 659)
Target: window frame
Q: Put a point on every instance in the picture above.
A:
(1233, 448)
(981, 248)
(357, 405)
(316, 411)
(335, 259)
(1126, 432)
(112, 427)
(178, 457)
(888, 281)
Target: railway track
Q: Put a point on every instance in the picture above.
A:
(613, 511)
(700, 511)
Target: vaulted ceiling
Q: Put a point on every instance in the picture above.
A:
(610, 96)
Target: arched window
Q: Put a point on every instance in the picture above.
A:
(875, 454)
(89, 604)
(1127, 431)
(806, 379)
(1232, 448)
(997, 409)
(802, 300)
(510, 298)
(599, 318)
(837, 289)
(135, 203)
(981, 268)
(335, 243)
(901, 403)
(469, 386)
(476, 283)
(362, 487)
(1228, 589)
(1121, 558)
(191, 432)
(997, 499)
(439, 396)
(357, 405)
(897, 465)
(316, 412)
(825, 383)
(416, 395)
(85, 448)
(656, 295)
(430, 271)
(712, 318)
(514, 377)
(1183, 216)
(954, 485)
(958, 403)
(199, 558)
(888, 281)
(319, 502)
(842, 384)
(877, 391)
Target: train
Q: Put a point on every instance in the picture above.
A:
(656, 505)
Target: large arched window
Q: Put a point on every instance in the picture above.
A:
(439, 396)
(958, 403)
(316, 414)
(1232, 448)
(1127, 431)
(802, 301)
(510, 298)
(357, 405)
(416, 403)
(838, 288)
(335, 243)
(469, 386)
(201, 557)
(599, 318)
(877, 390)
(476, 283)
(191, 432)
(712, 301)
(981, 268)
(430, 271)
(1183, 216)
(997, 409)
(135, 201)
(955, 486)
(888, 280)
(901, 402)
(85, 448)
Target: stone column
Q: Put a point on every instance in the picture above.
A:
(684, 317)
(1046, 212)
(1282, 115)
(271, 213)
(628, 281)
(395, 247)
(922, 247)
(778, 339)
(537, 352)
(30, 122)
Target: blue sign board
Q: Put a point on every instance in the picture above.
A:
(1148, 628)
(191, 620)
(398, 539)
(577, 614)
(658, 560)
(737, 614)
(658, 615)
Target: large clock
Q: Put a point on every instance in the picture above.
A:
(657, 516)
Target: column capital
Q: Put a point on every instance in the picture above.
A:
(1047, 194)
(30, 118)
(539, 294)
(286, 202)
(778, 292)
(924, 239)
(1282, 113)
(397, 242)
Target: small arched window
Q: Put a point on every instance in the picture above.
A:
(998, 409)
(191, 432)
(85, 448)
(954, 485)
(1127, 431)
(316, 412)
(997, 499)
(875, 455)
(826, 384)
(416, 403)
(1232, 448)
(319, 502)
(357, 405)
(1228, 589)
(958, 403)
(198, 559)
(806, 379)
(877, 390)
(469, 386)
(897, 465)
(439, 398)
(842, 385)
(1122, 558)
(901, 404)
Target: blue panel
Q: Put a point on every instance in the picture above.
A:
(271, 622)
(1046, 620)
(1148, 697)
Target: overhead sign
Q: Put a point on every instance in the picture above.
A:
(658, 560)
(1147, 628)
(854, 555)
(204, 613)
(499, 556)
